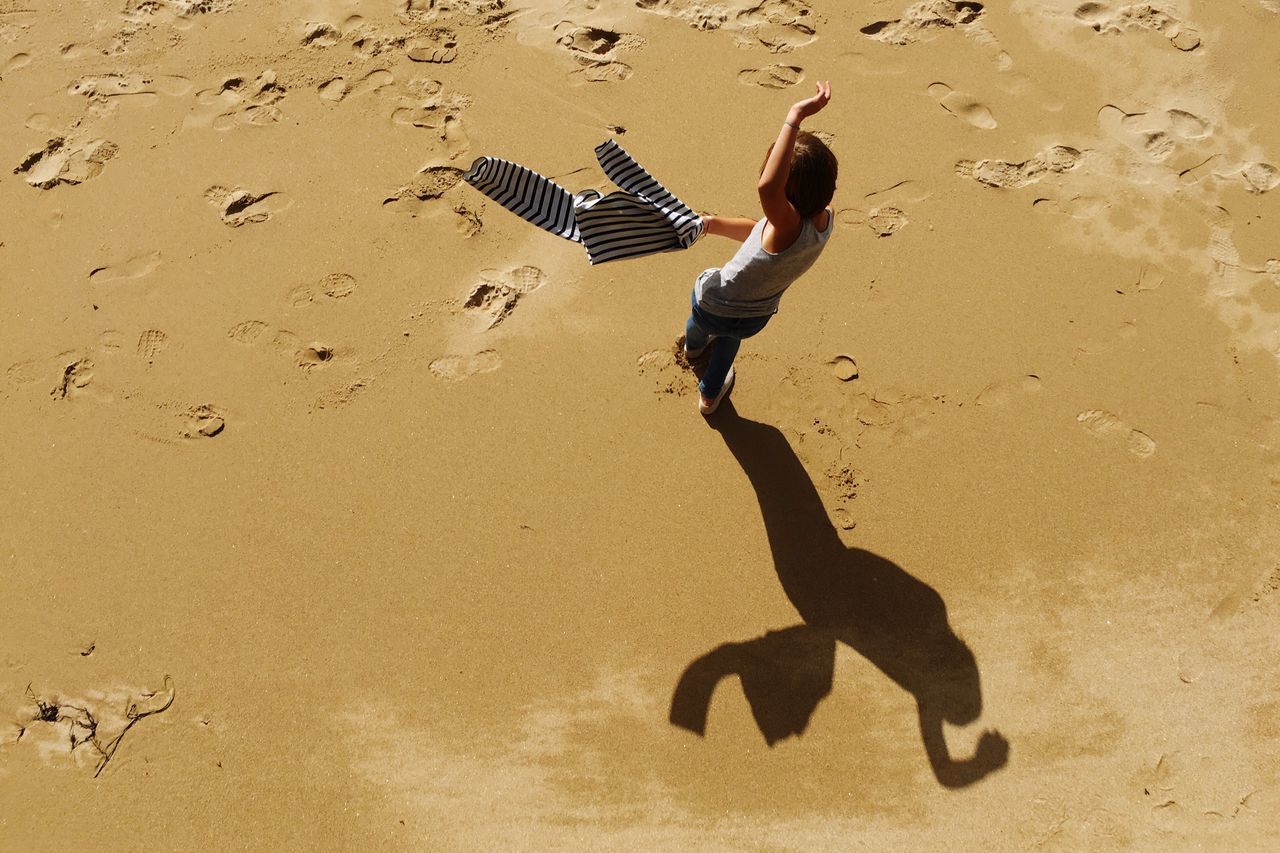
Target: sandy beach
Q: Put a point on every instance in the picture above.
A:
(343, 509)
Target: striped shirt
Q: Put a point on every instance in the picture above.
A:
(642, 218)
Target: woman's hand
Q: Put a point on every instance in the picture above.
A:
(803, 109)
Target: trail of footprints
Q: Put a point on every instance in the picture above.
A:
(422, 103)
(69, 377)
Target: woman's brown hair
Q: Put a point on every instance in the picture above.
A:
(812, 180)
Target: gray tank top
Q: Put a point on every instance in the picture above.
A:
(752, 283)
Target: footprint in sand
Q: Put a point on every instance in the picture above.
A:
(771, 76)
(77, 373)
(1002, 174)
(963, 106)
(320, 35)
(239, 206)
(133, 88)
(142, 16)
(189, 422)
(14, 63)
(596, 50)
(440, 47)
(424, 36)
(137, 266)
(1001, 393)
(369, 45)
(313, 356)
(1107, 342)
(454, 368)
(779, 25)
(497, 294)
(65, 366)
(339, 88)
(1106, 425)
(239, 102)
(1260, 177)
(111, 342)
(1102, 18)
(249, 332)
(186, 9)
(844, 367)
(1245, 294)
(843, 481)
(440, 112)
(65, 161)
(886, 414)
(425, 196)
(885, 214)
(924, 20)
(338, 285)
(669, 369)
(151, 343)
(430, 184)
(1147, 279)
(886, 221)
(324, 34)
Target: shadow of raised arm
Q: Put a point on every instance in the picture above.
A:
(991, 754)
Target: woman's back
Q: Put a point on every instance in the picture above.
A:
(751, 284)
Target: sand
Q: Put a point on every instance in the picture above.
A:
(343, 509)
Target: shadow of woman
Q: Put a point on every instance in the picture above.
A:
(850, 595)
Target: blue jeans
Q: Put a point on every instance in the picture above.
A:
(729, 332)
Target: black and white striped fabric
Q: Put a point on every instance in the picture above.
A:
(644, 218)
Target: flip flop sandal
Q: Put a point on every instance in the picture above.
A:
(710, 408)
